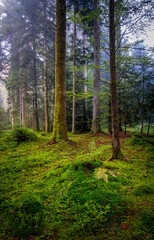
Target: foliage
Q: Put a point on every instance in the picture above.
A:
(23, 135)
(10, 139)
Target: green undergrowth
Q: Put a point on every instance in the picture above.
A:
(68, 190)
(11, 139)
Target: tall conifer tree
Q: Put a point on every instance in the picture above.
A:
(60, 126)
(114, 96)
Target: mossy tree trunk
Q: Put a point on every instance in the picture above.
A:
(114, 96)
(96, 98)
(60, 125)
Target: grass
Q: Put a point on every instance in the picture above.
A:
(69, 191)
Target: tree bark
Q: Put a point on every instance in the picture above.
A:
(36, 118)
(25, 109)
(21, 88)
(96, 98)
(85, 87)
(149, 123)
(45, 74)
(60, 125)
(12, 110)
(74, 53)
(109, 117)
(142, 106)
(118, 31)
(114, 97)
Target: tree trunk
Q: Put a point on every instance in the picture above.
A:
(12, 110)
(25, 109)
(21, 89)
(118, 31)
(74, 48)
(126, 115)
(85, 87)
(45, 74)
(109, 117)
(142, 107)
(114, 97)
(60, 125)
(96, 98)
(36, 118)
(149, 123)
(16, 106)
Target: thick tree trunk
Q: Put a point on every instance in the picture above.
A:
(85, 87)
(74, 48)
(60, 125)
(96, 98)
(45, 75)
(114, 97)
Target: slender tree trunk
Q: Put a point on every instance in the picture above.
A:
(149, 123)
(60, 125)
(21, 105)
(12, 110)
(21, 89)
(96, 98)
(85, 87)
(25, 109)
(45, 74)
(142, 107)
(114, 97)
(118, 19)
(126, 115)
(34, 123)
(109, 117)
(74, 48)
(16, 106)
(36, 118)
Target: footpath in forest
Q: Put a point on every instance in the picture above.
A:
(69, 190)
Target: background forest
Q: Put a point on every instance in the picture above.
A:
(27, 44)
(76, 134)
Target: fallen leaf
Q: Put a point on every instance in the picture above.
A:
(124, 226)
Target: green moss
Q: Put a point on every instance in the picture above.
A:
(68, 190)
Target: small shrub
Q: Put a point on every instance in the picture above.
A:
(23, 135)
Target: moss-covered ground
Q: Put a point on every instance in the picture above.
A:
(69, 191)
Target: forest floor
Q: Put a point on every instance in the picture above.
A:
(69, 191)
